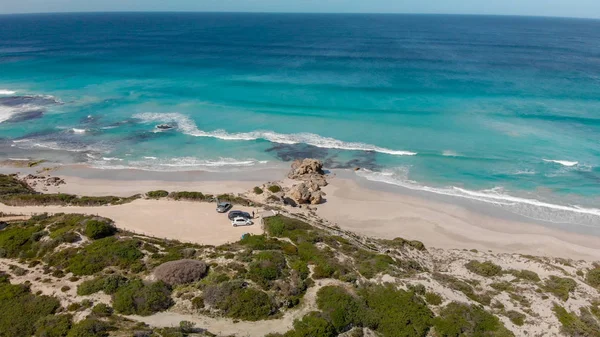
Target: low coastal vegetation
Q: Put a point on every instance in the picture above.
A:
(331, 281)
(14, 192)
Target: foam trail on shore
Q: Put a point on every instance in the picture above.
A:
(187, 126)
(531, 208)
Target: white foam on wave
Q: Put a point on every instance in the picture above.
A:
(450, 153)
(7, 92)
(562, 162)
(177, 164)
(531, 208)
(187, 126)
(79, 131)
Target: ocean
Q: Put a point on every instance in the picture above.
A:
(500, 110)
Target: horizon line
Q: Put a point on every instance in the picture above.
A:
(317, 13)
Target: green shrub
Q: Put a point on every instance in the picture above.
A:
(195, 196)
(526, 275)
(259, 242)
(313, 325)
(459, 319)
(109, 284)
(157, 194)
(560, 286)
(373, 265)
(53, 326)
(239, 302)
(20, 310)
(102, 310)
(573, 325)
(593, 277)
(141, 299)
(433, 298)
(95, 229)
(274, 188)
(17, 241)
(516, 317)
(339, 307)
(487, 268)
(395, 313)
(89, 328)
(266, 267)
(10, 185)
(101, 254)
(258, 190)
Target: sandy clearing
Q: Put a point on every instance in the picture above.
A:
(196, 222)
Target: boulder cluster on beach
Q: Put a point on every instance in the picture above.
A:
(43, 181)
(310, 172)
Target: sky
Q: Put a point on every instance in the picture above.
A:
(569, 8)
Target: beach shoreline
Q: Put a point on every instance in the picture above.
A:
(352, 203)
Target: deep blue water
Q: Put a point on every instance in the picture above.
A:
(499, 109)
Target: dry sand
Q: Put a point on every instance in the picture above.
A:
(351, 206)
(196, 222)
(389, 215)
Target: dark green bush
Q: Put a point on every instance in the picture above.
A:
(53, 326)
(313, 325)
(20, 310)
(460, 319)
(142, 299)
(17, 241)
(196, 196)
(258, 190)
(95, 229)
(10, 184)
(259, 242)
(266, 267)
(109, 284)
(102, 310)
(157, 194)
(593, 277)
(238, 301)
(395, 313)
(516, 317)
(340, 308)
(560, 286)
(487, 268)
(274, 188)
(89, 328)
(433, 298)
(101, 254)
(573, 325)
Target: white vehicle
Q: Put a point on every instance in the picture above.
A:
(241, 221)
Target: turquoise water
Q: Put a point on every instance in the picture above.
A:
(504, 110)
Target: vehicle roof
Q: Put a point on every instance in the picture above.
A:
(223, 203)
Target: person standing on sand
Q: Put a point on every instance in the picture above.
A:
(252, 214)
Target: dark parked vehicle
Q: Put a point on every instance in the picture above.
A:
(234, 214)
(223, 207)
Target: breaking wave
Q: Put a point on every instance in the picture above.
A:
(562, 162)
(7, 92)
(531, 208)
(187, 126)
(175, 164)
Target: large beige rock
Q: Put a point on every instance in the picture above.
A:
(310, 171)
(305, 167)
(303, 194)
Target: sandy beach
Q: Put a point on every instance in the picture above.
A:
(350, 205)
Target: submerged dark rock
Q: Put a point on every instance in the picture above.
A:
(25, 116)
